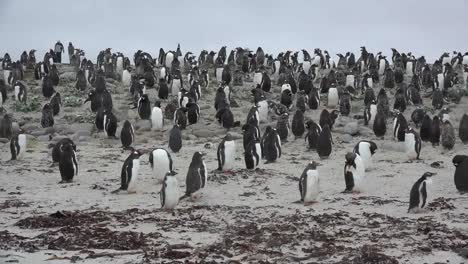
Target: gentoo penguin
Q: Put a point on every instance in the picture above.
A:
(47, 86)
(426, 128)
(110, 123)
(3, 92)
(175, 139)
(309, 183)
(193, 113)
(435, 131)
(382, 103)
(81, 81)
(157, 118)
(418, 193)
(463, 129)
(313, 133)
(68, 165)
(265, 85)
(437, 99)
(399, 127)
(161, 163)
(20, 92)
(251, 155)
(369, 96)
(59, 146)
(226, 118)
(127, 77)
(333, 99)
(461, 172)
(196, 176)
(253, 116)
(56, 103)
(327, 118)
(286, 98)
(297, 126)
(447, 134)
(127, 134)
(169, 194)
(17, 146)
(129, 173)
(354, 172)
(180, 117)
(345, 103)
(226, 153)
(250, 133)
(380, 125)
(47, 119)
(418, 116)
(366, 149)
(412, 144)
(400, 101)
(94, 99)
(324, 144)
(314, 98)
(144, 107)
(301, 101)
(262, 107)
(282, 126)
(163, 91)
(369, 113)
(271, 144)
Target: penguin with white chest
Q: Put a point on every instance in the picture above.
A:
(169, 195)
(127, 134)
(366, 149)
(57, 150)
(226, 153)
(412, 144)
(175, 139)
(271, 144)
(252, 155)
(354, 172)
(157, 118)
(399, 127)
(144, 107)
(418, 193)
(130, 172)
(110, 123)
(20, 92)
(333, 98)
(309, 183)
(17, 146)
(68, 165)
(196, 177)
(161, 163)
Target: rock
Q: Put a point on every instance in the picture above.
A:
(50, 130)
(143, 125)
(83, 133)
(365, 131)
(346, 138)
(236, 135)
(43, 138)
(4, 140)
(351, 128)
(192, 137)
(207, 133)
(68, 76)
(31, 127)
(83, 138)
(38, 132)
(205, 107)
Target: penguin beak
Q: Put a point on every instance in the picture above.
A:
(87, 100)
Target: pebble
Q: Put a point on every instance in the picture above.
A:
(346, 138)
(39, 132)
(4, 140)
(351, 128)
(43, 138)
(70, 76)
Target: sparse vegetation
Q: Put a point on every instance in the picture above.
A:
(31, 105)
(72, 101)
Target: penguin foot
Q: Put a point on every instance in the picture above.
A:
(63, 181)
(309, 203)
(297, 202)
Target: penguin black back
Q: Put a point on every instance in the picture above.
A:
(68, 164)
(144, 107)
(463, 129)
(313, 134)
(127, 134)
(175, 139)
(426, 128)
(47, 119)
(380, 124)
(56, 103)
(435, 131)
(461, 172)
(324, 145)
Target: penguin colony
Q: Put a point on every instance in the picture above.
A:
(284, 91)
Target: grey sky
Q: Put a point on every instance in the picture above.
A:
(427, 27)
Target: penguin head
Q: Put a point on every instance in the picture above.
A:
(136, 153)
(458, 159)
(428, 174)
(312, 165)
(350, 159)
(334, 114)
(198, 156)
(91, 95)
(228, 137)
(157, 103)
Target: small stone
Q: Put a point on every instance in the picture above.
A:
(351, 128)
(346, 138)
(4, 140)
(43, 138)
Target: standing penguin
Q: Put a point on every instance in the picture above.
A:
(412, 144)
(271, 144)
(418, 116)
(163, 91)
(56, 103)
(309, 183)
(144, 107)
(345, 103)
(157, 118)
(301, 101)
(262, 107)
(354, 172)
(3, 92)
(127, 134)
(463, 129)
(418, 193)
(400, 101)
(17, 146)
(110, 123)
(169, 195)
(365, 149)
(175, 139)
(313, 133)
(426, 128)
(130, 172)
(47, 86)
(380, 125)
(314, 98)
(286, 98)
(193, 113)
(324, 144)
(196, 176)
(20, 92)
(226, 153)
(447, 134)
(369, 113)
(297, 126)
(435, 131)
(327, 118)
(127, 77)
(333, 98)
(47, 119)
(437, 99)
(68, 165)
(251, 156)
(180, 117)
(58, 148)
(399, 127)
(161, 163)
(461, 172)
(282, 126)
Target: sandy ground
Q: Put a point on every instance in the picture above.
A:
(249, 216)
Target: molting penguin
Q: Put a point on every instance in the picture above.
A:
(47, 86)
(180, 117)
(110, 123)
(463, 129)
(193, 113)
(412, 144)
(426, 128)
(161, 163)
(226, 153)
(68, 165)
(309, 183)
(313, 133)
(59, 147)
(354, 172)
(461, 172)
(251, 155)
(380, 125)
(297, 126)
(47, 119)
(399, 127)
(157, 118)
(382, 103)
(286, 98)
(345, 103)
(314, 98)
(196, 176)
(169, 194)
(130, 172)
(418, 116)
(327, 118)
(418, 193)
(366, 149)
(271, 144)
(437, 99)
(144, 107)
(20, 92)
(163, 92)
(127, 134)
(400, 101)
(301, 101)
(175, 138)
(435, 131)
(324, 144)
(17, 146)
(282, 126)
(56, 103)
(447, 134)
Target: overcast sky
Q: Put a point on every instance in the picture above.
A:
(425, 27)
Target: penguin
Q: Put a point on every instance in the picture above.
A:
(157, 118)
(110, 123)
(226, 118)
(144, 107)
(324, 144)
(309, 183)
(175, 139)
(169, 195)
(20, 92)
(271, 144)
(313, 133)
(127, 77)
(47, 86)
(18, 146)
(418, 193)
(435, 131)
(226, 153)
(59, 146)
(463, 129)
(382, 103)
(399, 127)
(68, 164)
(251, 155)
(380, 125)
(297, 126)
(253, 116)
(437, 99)
(461, 172)
(286, 98)
(369, 113)
(412, 144)
(314, 98)
(130, 172)
(47, 119)
(180, 117)
(447, 134)
(400, 101)
(163, 92)
(183, 98)
(81, 81)
(99, 120)
(193, 113)
(354, 172)
(262, 107)
(418, 116)
(250, 133)
(345, 103)
(327, 118)
(196, 176)
(282, 126)
(365, 149)
(56, 103)
(3, 93)
(226, 75)
(301, 101)
(161, 163)
(94, 99)
(333, 99)
(265, 85)
(426, 128)
(127, 134)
